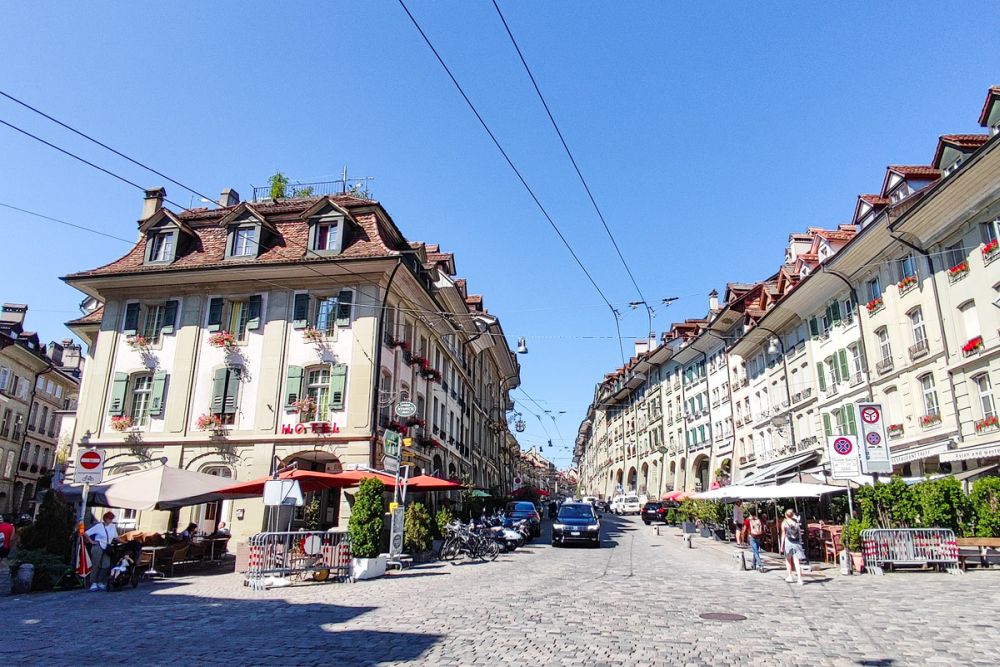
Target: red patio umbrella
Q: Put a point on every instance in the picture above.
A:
(354, 477)
(431, 483)
(309, 480)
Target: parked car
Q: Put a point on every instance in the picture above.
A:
(588, 499)
(653, 512)
(576, 522)
(626, 504)
(522, 509)
(601, 505)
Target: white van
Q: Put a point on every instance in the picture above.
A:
(626, 504)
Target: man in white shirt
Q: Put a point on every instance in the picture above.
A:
(99, 536)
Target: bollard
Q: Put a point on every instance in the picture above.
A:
(687, 540)
(845, 562)
(739, 560)
(22, 582)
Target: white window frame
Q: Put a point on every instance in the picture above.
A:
(928, 393)
(987, 404)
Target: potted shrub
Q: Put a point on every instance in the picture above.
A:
(441, 521)
(417, 531)
(365, 528)
(852, 542)
(687, 513)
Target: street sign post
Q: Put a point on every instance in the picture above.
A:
(396, 531)
(406, 409)
(844, 460)
(89, 467)
(875, 456)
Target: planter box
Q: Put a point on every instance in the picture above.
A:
(707, 532)
(689, 527)
(367, 568)
(719, 534)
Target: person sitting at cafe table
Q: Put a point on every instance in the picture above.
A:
(222, 530)
(188, 533)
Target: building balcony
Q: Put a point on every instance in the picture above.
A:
(808, 442)
(906, 284)
(856, 378)
(875, 305)
(930, 421)
(958, 272)
(991, 251)
(987, 425)
(895, 430)
(884, 366)
(919, 349)
(973, 346)
(832, 390)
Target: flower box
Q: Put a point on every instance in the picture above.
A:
(990, 249)
(431, 374)
(930, 420)
(906, 283)
(988, 424)
(874, 305)
(972, 346)
(139, 343)
(305, 407)
(398, 427)
(209, 423)
(222, 339)
(312, 335)
(895, 430)
(121, 423)
(958, 271)
(416, 421)
(401, 344)
(417, 360)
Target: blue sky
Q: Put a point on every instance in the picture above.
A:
(707, 133)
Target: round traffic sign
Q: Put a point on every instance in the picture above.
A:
(406, 409)
(90, 460)
(873, 438)
(843, 446)
(870, 415)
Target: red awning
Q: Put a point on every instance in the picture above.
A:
(430, 483)
(309, 480)
(678, 496)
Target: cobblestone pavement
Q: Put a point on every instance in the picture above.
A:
(636, 601)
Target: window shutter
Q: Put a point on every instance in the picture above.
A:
(344, 308)
(169, 317)
(218, 391)
(131, 319)
(293, 385)
(835, 311)
(813, 327)
(300, 312)
(844, 371)
(156, 396)
(232, 392)
(118, 389)
(253, 319)
(215, 314)
(851, 421)
(338, 381)
(821, 376)
(827, 427)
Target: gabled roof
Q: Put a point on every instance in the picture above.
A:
(161, 215)
(965, 143)
(908, 172)
(992, 95)
(95, 316)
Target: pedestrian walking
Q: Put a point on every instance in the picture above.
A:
(755, 532)
(99, 536)
(791, 543)
(738, 522)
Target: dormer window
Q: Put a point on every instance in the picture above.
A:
(244, 242)
(326, 233)
(167, 237)
(326, 236)
(161, 246)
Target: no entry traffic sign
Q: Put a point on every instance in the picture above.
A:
(870, 414)
(89, 467)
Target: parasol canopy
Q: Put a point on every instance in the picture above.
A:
(431, 483)
(160, 488)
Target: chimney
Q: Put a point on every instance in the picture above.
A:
(13, 313)
(54, 352)
(641, 346)
(153, 202)
(713, 301)
(71, 355)
(229, 197)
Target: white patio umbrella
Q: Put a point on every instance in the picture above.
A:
(788, 490)
(161, 488)
(731, 492)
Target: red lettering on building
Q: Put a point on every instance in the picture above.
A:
(318, 428)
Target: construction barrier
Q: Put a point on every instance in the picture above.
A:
(280, 558)
(889, 547)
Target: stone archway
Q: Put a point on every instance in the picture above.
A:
(633, 479)
(671, 484)
(330, 502)
(682, 469)
(644, 478)
(700, 473)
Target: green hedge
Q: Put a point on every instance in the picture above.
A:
(934, 503)
(367, 517)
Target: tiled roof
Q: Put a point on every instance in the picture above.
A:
(915, 171)
(874, 200)
(209, 248)
(839, 235)
(962, 142)
(93, 317)
(991, 95)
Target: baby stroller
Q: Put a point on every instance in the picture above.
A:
(124, 565)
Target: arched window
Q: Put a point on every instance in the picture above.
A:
(929, 393)
(984, 390)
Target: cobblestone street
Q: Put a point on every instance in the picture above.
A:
(636, 601)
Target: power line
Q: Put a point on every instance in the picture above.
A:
(101, 144)
(77, 157)
(68, 224)
(510, 163)
(569, 153)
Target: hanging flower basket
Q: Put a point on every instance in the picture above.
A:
(139, 343)
(222, 339)
(987, 424)
(416, 421)
(990, 248)
(312, 335)
(957, 271)
(401, 344)
(305, 407)
(930, 420)
(972, 346)
(122, 423)
(874, 305)
(398, 427)
(906, 283)
(417, 360)
(431, 374)
(209, 423)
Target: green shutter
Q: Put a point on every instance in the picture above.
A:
(821, 376)
(300, 312)
(851, 421)
(827, 428)
(813, 327)
(293, 385)
(156, 396)
(338, 382)
(131, 319)
(232, 392)
(253, 319)
(218, 390)
(344, 308)
(844, 369)
(215, 314)
(169, 317)
(118, 390)
(835, 311)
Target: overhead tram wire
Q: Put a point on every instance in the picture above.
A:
(517, 172)
(103, 145)
(572, 160)
(68, 224)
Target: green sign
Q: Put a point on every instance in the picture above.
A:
(391, 444)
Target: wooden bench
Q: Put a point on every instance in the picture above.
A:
(983, 543)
